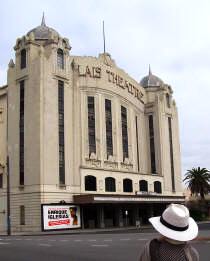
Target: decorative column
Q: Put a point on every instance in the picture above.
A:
(119, 216)
(100, 216)
(136, 216)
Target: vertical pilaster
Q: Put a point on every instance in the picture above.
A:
(100, 216)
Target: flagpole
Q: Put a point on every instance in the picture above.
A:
(104, 39)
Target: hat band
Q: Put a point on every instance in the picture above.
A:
(165, 223)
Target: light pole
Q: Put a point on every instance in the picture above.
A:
(8, 196)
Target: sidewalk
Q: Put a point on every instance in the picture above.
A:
(142, 229)
(82, 231)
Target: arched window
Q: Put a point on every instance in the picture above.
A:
(168, 100)
(143, 185)
(110, 184)
(23, 59)
(157, 187)
(60, 59)
(127, 185)
(90, 183)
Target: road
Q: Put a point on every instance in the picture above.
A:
(84, 247)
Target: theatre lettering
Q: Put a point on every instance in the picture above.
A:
(96, 72)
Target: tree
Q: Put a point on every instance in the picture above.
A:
(197, 180)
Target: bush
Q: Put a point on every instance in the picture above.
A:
(198, 215)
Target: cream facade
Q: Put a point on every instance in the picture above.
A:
(37, 182)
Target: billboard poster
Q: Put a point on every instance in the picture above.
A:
(60, 217)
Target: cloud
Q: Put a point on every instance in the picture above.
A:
(3, 76)
(173, 36)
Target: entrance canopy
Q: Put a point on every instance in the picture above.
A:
(96, 198)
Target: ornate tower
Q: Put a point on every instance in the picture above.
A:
(41, 61)
(163, 134)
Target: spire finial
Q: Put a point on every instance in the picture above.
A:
(150, 72)
(43, 20)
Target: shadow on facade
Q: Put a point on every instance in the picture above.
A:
(125, 215)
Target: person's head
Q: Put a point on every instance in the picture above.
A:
(175, 223)
(73, 211)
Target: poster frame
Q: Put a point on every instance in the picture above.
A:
(59, 229)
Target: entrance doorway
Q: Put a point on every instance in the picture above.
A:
(90, 216)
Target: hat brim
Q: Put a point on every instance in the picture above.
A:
(186, 235)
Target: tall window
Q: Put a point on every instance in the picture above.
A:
(60, 59)
(61, 132)
(1, 116)
(127, 185)
(21, 134)
(108, 112)
(110, 184)
(157, 187)
(91, 125)
(124, 132)
(137, 143)
(152, 144)
(1, 180)
(23, 59)
(171, 153)
(168, 100)
(143, 185)
(90, 183)
(22, 215)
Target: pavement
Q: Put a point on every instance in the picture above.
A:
(111, 246)
(146, 228)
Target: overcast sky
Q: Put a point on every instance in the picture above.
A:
(172, 36)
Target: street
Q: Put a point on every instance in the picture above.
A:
(85, 247)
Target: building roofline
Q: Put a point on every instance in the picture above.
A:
(3, 87)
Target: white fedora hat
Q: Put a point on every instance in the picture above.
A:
(175, 223)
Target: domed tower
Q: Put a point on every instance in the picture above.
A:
(163, 132)
(43, 32)
(151, 80)
(36, 84)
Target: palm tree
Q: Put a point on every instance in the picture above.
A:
(198, 181)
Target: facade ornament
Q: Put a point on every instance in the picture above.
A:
(31, 36)
(126, 161)
(11, 63)
(110, 158)
(93, 156)
(67, 45)
(106, 57)
(73, 64)
(161, 96)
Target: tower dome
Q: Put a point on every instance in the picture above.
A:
(43, 32)
(151, 80)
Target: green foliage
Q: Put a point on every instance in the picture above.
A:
(198, 215)
(197, 180)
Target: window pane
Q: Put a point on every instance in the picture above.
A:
(108, 114)
(124, 132)
(60, 59)
(171, 153)
(91, 125)
(143, 185)
(152, 144)
(90, 183)
(1, 181)
(21, 133)
(23, 59)
(22, 215)
(157, 187)
(61, 132)
(127, 185)
(110, 184)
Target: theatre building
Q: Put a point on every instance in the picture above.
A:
(84, 144)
